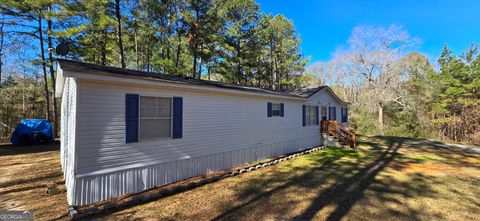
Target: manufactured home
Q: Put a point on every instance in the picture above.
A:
(124, 131)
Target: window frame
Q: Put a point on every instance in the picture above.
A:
(322, 108)
(310, 111)
(279, 109)
(332, 115)
(344, 115)
(140, 118)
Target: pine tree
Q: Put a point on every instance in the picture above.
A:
(281, 50)
(240, 18)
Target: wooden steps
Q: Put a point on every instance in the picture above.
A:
(339, 132)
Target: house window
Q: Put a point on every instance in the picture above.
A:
(344, 115)
(276, 110)
(324, 113)
(311, 115)
(155, 117)
(332, 115)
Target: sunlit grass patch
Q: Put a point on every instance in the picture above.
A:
(323, 156)
(424, 158)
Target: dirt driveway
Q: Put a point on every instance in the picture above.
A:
(25, 173)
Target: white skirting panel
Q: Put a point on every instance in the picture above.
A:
(90, 189)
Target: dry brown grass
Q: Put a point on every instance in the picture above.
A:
(25, 173)
(386, 178)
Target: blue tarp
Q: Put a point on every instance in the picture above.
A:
(31, 131)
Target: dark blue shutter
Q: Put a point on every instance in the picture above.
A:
(304, 115)
(282, 108)
(316, 115)
(269, 109)
(131, 118)
(177, 117)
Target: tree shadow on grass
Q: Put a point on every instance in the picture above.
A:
(350, 189)
(252, 189)
(334, 178)
(21, 180)
(9, 149)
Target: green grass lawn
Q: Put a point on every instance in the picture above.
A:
(385, 178)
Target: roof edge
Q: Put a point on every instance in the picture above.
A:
(82, 67)
(331, 92)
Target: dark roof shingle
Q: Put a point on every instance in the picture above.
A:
(79, 67)
(304, 92)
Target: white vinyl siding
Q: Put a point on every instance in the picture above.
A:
(67, 134)
(212, 123)
(220, 130)
(325, 99)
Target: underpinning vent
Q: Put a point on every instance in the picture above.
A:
(173, 188)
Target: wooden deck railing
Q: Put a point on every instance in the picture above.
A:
(339, 131)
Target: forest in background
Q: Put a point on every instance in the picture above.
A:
(229, 41)
(396, 91)
(393, 89)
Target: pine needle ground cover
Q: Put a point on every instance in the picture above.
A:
(385, 178)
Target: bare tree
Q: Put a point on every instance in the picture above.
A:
(370, 61)
(320, 71)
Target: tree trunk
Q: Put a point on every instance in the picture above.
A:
(179, 43)
(208, 70)
(194, 68)
(177, 57)
(104, 47)
(148, 57)
(380, 117)
(52, 77)
(2, 36)
(239, 65)
(24, 109)
(143, 58)
(44, 66)
(200, 69)
(34, 97)
(272, 75)
(200, 64)
(137, 59)
(275, 73)
(287, 77)
(119, 32)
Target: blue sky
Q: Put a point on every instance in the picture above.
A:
(324, 25)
